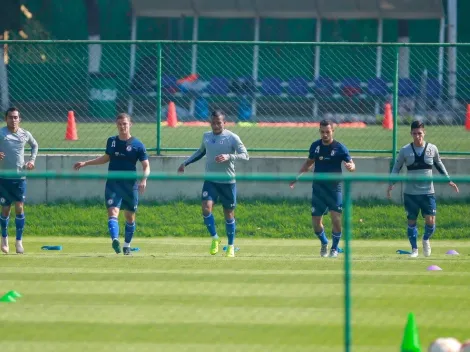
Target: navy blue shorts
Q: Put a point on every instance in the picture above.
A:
(226, 193)
(123, 195)
(426, 203)
(325, 199)
(12, 190)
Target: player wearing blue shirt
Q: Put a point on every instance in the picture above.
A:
(327, 155)
(122, 153)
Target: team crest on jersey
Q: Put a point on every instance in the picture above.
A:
(332, 153)
(116, 153)
(429, 152)
(317, 150)
(321, 158)
(129, 148)
(222, 141)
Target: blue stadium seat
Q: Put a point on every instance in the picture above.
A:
(169, 85)
(377, 87)
(324, 86)
(218, 86)
(406, 88)
(351, 86)
(271, 86)
(298, 86)
(433, 88)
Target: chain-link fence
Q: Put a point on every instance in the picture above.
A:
(273, 94)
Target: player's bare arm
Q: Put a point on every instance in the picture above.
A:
(143, 182)
(306, 166)
(98, 161)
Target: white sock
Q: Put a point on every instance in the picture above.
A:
(216, 237)
(126, 244)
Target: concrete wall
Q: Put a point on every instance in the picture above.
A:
(52, 190)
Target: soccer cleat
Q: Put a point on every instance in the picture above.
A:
(324, 250)
(116, 246)
(426, 248)
(333, 253)
(4, 245)
(414, 253)
(230, 252)
(19, 247)
(214, 247)
(126, 250)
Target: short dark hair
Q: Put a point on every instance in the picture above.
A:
(217, 113)
(417, 124)
(123, 115)
(11, 110)
(324, 123)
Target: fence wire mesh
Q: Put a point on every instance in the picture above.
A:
(273, 95)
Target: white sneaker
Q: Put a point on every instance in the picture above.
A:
(426, 248)
(19, 247)
(414, 253)
(4, 245)
(333, 253)
(324, 250)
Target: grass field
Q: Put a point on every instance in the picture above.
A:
(255, 219)
(94, 135)
(274, 296)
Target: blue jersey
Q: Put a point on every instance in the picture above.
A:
(328, 158)
(123, 155)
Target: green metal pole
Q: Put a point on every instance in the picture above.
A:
(395, 108)
(347, 215)
(159, 98)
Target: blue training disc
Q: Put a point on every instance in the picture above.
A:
(236, 248)
(135, 249)
(51, 248)
(401, 251)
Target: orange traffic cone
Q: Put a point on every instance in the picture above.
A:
(171, 117)
(467, 118)
(387, 122)
(71, 132)
(191, 78)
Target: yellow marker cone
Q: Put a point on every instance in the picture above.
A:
(410, 341)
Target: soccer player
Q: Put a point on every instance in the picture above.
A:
(419, 158)
(122, 152)
(221, 148)
(13, 139)
(327, 155)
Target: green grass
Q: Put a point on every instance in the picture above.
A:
(94, 135)
(255, 219)
(276, 295)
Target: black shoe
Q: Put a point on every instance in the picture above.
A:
(116, 246)
(126, 250)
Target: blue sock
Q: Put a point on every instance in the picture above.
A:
(230, 229)
(19, 222)
(322, 237)
(413, 236)
(336, 238)
(428, 231)
(129, 232)
(113, 227)
(4, 225)
(209, 221)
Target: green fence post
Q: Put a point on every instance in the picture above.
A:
(347, 215)
(395, 108)
(159, 98)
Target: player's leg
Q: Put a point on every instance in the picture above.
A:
(428, 209)
(5, 201)
(319, 208)
(335, 204)
(411, 203)
(129, 205)
(19, 189)
(228, 198)
(113, 204)
(209, 195)
(4, 220)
